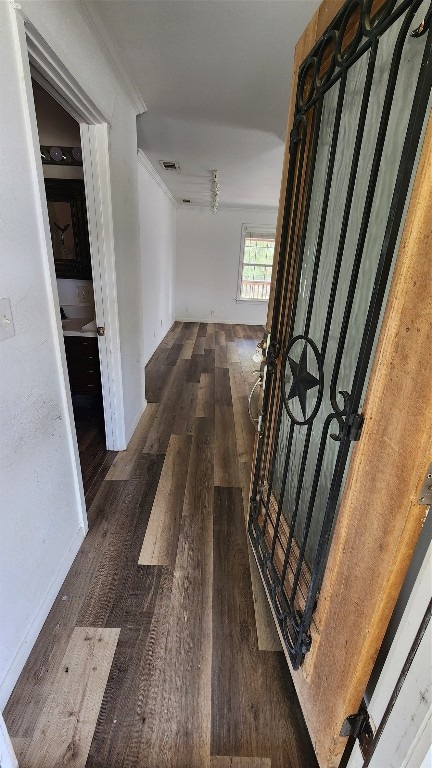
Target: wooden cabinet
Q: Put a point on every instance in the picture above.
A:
(82, 355)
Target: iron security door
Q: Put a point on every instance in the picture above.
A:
(362, 96)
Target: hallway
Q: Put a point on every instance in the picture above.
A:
(159, 651)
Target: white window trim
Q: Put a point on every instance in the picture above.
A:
(266, 229)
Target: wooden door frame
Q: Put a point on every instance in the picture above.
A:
(380, 519)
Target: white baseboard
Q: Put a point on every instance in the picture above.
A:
(159, 339)
(134, 426)
(23, 652)
(191, 319)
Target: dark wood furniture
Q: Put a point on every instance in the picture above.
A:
(82, 356)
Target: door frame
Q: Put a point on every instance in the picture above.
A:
(7, 754)
(405, 737)
(40, 61)
(380, 517)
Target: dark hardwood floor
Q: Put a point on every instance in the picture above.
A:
(160, 651)
(94, 457)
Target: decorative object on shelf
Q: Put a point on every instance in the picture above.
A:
(215, 193)
(68, 225)
(61, 155)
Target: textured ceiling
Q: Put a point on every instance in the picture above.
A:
(215, 76)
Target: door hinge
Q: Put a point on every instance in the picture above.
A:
(271, 355)
(360, 726)
(425, 495)
(295, 137)
(354, 426)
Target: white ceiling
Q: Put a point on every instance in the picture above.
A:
(215, 77)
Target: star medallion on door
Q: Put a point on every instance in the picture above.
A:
(299, 382)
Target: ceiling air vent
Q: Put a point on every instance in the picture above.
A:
(169, 165)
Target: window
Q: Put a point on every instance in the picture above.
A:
(256, 263)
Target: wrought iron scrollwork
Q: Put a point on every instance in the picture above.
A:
(308, 373)
(295, 137)
(271, 356)
(345, 41)
(350, 424)
(302, 380)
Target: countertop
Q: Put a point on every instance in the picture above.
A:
(73, 326)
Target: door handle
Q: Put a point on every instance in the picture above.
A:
(255, 421)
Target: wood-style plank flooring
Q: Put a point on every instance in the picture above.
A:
(95, 459)
(160, 651)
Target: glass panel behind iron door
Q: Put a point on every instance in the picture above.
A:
(360, 165)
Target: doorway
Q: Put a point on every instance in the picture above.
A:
(61, 154)
(54, 77)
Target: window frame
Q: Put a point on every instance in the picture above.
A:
(245, 230)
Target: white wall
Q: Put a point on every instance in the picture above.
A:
(40, 505)
(208, 253)
(158, 254)
(41, 521)
(7, 755)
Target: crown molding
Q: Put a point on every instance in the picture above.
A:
(229, 207)
(145, 162)
(204, 205)
(108, 48)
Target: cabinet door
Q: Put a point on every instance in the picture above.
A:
(343, 441)
(82, 356)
